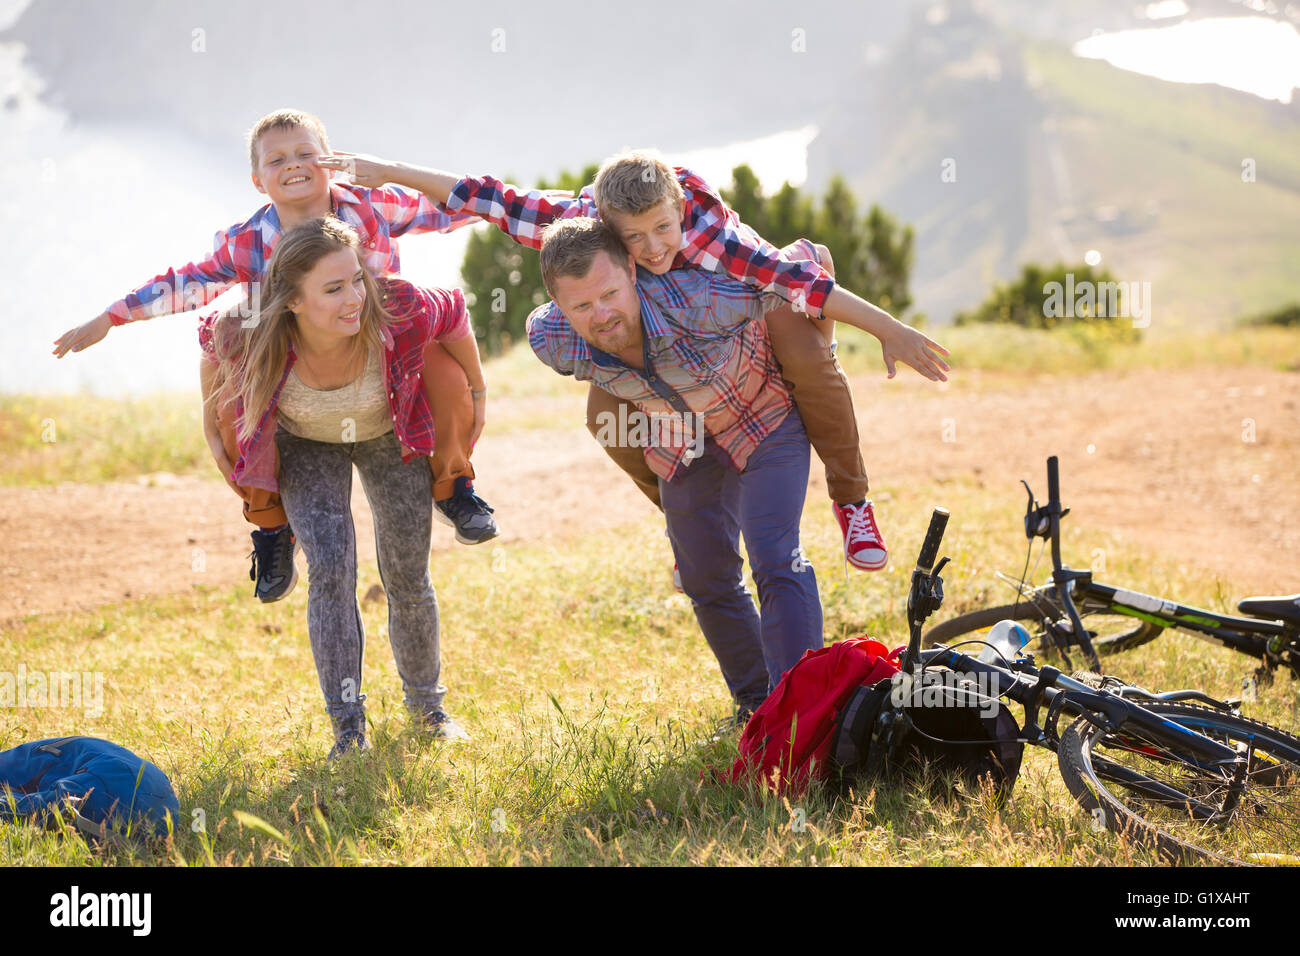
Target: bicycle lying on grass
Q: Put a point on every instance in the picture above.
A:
(1186, 780)
(1119, 619)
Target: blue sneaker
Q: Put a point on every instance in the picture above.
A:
(469, 514)
(273, 568)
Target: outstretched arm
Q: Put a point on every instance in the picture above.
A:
(521, 214)
(898, 342)
(176, 290)
(373, 172)
(715, 239)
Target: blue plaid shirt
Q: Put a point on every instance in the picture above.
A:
(706, 353)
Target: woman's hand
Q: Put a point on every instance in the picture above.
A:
(212, 433)
(224, 464)
(480, 415)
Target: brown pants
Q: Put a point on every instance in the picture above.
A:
(819, 386)
(447, 389)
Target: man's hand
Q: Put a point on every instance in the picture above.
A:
(902, 343)
(83, 336)
(368, 171)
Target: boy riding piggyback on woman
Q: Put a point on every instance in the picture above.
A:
(284, 150)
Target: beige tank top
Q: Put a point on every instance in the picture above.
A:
(356, 412)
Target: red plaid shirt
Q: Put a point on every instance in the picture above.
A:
(241, 252)
(713, 237)
(420, 316)
(706, 355)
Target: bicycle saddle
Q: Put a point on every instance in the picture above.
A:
(1272, 608)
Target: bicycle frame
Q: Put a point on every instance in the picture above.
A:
(1272, 642)
(1254, 636)
(1032, 688)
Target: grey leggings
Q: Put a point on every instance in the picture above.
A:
(316, 488)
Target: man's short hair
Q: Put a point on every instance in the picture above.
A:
(285, 119)
(635, 182)
(570, 245)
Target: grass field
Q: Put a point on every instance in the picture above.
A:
(586, 686)
(579, 672)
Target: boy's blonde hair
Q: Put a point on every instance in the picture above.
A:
(285, 119)
(635, 182)
(570, 245)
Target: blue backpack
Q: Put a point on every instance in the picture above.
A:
(106, 789)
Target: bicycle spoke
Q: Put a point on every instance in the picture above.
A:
(1266, 818)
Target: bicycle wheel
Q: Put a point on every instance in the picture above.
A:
(1111, 633)
(1110, 773)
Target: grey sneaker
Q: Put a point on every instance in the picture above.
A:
(347, 742)
(440, 726)
(273, 568)
(469, 514)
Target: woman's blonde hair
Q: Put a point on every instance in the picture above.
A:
(251, 352)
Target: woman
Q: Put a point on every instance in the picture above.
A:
(327, 376)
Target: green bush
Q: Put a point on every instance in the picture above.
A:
(1064, 296)
(1287, 315)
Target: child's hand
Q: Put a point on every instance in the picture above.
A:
(83, 336)
(368, 171)
(902, 343)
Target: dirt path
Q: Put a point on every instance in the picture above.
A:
(1173, 466)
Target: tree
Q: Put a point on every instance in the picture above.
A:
(1062, 296)
(873, 255)
(746, 197)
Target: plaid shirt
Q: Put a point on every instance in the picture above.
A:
(705, 353)
(241, 252)
(419, 316)
(713, 237)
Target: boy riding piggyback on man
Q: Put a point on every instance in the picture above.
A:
(670, 218)
(285, 150)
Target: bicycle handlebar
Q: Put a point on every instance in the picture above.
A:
(1053, 481)
(933, 538)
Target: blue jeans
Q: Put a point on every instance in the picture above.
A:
(709, 505)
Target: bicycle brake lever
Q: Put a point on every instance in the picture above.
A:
(1030, 530)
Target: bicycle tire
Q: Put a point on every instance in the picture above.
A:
(1113, 633)
(1264, 827)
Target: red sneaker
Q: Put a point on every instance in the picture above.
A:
(864, 548)
(677, 579)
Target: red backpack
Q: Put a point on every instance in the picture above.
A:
(788, 740)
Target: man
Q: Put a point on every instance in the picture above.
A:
(718, 428)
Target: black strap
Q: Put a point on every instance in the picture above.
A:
(55, 746)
